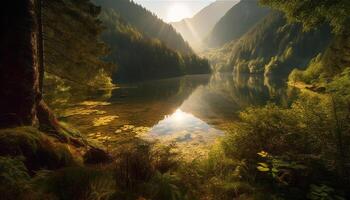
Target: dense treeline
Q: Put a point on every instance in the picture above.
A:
(140, 57)
(276, 47)
(147, 23)
(335, 59)
(272, 46)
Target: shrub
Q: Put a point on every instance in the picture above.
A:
(75, 183)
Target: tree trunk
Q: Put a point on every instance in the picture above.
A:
(22, 67)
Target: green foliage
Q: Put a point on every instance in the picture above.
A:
(313, 13)
(72, 47)
(164, 186)
(340, 85)
(305, 143)
(332, 62)
(275, 47)
(77, 183)
(145, 169)
(215, 177)
(140, 57)
(280, 170)
(14, 178)
(225, 190)
(320, 192)
(148, 24)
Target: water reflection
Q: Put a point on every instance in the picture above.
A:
(183, 127)
(220, 102)
(191, 110)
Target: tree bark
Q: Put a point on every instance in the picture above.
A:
(22, 67)
(18, 63)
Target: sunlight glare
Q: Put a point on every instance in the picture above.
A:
(178, 12)
(179, 115)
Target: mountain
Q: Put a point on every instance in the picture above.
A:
(274, 46)
(147, 23)
(195, 29)
(236, 22)
(139, 57)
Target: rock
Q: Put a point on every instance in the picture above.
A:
(97, 156)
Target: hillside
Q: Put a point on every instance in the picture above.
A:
(147, 23)
(139, 57)
(236, 22)
(276, 47)
(195, 29)
(334, 61)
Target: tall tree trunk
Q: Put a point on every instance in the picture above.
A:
(40, 44)
(18, 63)
(22, 67)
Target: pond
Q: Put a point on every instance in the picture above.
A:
(191, 111)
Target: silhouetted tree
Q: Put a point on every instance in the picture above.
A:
(21, 67)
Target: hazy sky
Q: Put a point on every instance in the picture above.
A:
(174, 10)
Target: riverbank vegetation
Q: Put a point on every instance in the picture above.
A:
(297, 151)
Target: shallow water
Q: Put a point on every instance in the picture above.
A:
(192, 111)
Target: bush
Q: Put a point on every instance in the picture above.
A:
(75, 183)
(303, 139)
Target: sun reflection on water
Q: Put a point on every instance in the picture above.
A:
(183, 127)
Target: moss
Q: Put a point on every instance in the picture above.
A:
(38, 149)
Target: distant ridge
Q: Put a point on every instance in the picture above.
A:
(236, 22)
(195, 29)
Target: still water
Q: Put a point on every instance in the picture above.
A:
(192, 111)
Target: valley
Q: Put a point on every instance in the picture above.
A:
(117, 100)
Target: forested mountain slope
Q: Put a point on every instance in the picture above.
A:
(274, 46)
(147, 23)
(140, 57)
(236, 22)
(328, 64)
(195, 29)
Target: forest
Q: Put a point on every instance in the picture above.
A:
(106, 100)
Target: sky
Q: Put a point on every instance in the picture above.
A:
(174, 10)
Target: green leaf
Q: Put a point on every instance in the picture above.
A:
(263, 169)
(274, 170)
(263, 164)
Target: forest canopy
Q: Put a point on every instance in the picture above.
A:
(313, 13)
(141, 57)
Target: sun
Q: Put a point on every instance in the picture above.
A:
(177, 12)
